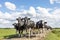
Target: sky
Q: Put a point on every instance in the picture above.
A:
(46, 10)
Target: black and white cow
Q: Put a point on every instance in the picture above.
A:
(16, 26)
(39, 25)
(47, 26)
(19, 26)
(23, 23)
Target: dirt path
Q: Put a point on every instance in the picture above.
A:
(38, 37)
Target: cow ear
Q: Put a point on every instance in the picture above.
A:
(28, 18)
(12, 24)
(16, 18)
(45, 22)
(22, 18)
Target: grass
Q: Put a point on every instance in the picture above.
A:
(6, 32)
(54, 35)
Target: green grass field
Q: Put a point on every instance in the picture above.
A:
(6, 32)
(54, 35)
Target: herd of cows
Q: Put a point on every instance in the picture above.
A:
(26, 23)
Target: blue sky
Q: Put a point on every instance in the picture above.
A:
(47, 10)
(28, 3)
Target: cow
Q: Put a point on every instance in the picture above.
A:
(25, 19)
(20, 25)
(39, 25)
(23, 23)
(16, 27)
(29, 24)
(47, 26)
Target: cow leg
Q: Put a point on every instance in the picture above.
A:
(41, 30)
(26, 30)
(22, 32)
(38, 30)
(29, 32)
(19, 33)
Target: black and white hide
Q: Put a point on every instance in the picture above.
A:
(47, 27)
(20, 25)
(39, 26)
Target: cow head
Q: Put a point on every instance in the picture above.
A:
(26, 20)
(14, 24)
(45, 22)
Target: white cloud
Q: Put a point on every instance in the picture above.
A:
(54, 1)
(53, 17)
(3, 21)
(0, 5)
(57, 1)
(6, 19)
(32, 11)
(10, 5)
(43, 11)
(56, 14)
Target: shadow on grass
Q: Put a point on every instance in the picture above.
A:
(17, 36)
(11, 36)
